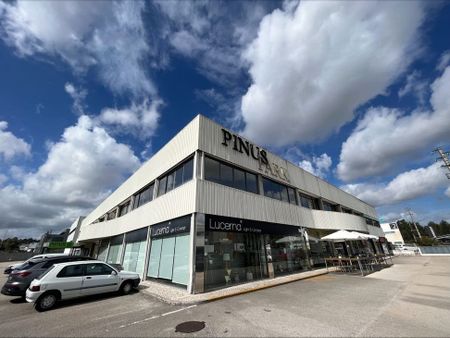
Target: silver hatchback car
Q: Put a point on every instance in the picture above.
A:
(77, 279)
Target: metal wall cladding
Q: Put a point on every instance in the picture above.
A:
(181, 146)
(216, 199)
(176, 203)
(210, 141)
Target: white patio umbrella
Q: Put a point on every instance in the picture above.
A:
(341, 235)
(364, 236)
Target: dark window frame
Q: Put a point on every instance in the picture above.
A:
(248, 187)
(163, 181)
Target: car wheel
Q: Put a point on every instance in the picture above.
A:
(126, 288)
(46, 302)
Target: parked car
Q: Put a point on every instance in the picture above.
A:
(77, 279)
(10, 268)
(20, 278)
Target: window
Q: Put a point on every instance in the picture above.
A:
(176, 177)
(328, 206)
(111, 215)
(71, 271)
(228, 175)
(278, 191)
(123, 209)
(96, 269)
(347, 211)
(143, 196)
(369, 221)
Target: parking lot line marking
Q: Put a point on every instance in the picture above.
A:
(157, 316)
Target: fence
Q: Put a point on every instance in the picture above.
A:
(435, 250)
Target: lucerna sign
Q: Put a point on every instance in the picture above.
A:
(260, 155)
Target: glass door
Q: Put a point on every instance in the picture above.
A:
(155, 254)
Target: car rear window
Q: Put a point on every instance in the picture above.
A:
(46, 272)
(27, 265)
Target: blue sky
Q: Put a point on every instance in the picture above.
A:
(355, 92)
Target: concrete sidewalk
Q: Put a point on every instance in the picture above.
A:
(174, 295)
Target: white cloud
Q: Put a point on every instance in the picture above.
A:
(416, 86)
(200, 30)
(447, 192)
(443, 61)
(138, 119)
(318, 166)
(109, 36)
(11, 145)
(405, 186)
(80, 171)
(78, 96)
(387, 137)
(3, 179)
(312, 66)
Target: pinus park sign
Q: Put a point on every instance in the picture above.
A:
(260, 155)
(60, 245)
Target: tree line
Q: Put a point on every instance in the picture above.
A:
(406, 229)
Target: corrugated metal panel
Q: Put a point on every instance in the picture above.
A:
(176, 203)
(211, 139)
(178, 148)
(221, 200)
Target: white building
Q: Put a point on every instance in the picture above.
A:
(393, 234)
(212, 209)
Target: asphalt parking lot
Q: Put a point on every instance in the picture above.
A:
(412, 298)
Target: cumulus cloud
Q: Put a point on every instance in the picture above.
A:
(447, 192)
(138, 119)
(80, 171)
(199, 30)
(416, 86)
(319, 166)
(443, 61)
(314, 64)
(11, 145)
(406, 186)
(78, 96)
(387, 137)
(108, 36)
(3, 179)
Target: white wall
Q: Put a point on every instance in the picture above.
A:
(181, 146)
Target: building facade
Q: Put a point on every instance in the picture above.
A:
(393, 234)
(212, 209)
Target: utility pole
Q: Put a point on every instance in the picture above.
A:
(413, 225)
(443, 156)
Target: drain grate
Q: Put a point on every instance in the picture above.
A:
(189, 327)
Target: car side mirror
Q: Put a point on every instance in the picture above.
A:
(114, 273)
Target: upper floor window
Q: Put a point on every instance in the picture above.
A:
(279, 191)
(328, 206)
(111, 215)
(143, 196)
(347, 211)
(308, 202)
(176, 177)
(123, 209)
(231, 176)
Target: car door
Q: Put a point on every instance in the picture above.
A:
(69, 281)
(99, 278)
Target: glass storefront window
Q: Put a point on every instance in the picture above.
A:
(115, 250)
(288, 254)
(103, 250)
(232, 258)
(135, 247)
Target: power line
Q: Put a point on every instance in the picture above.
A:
(443, 156)
(413, 225)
